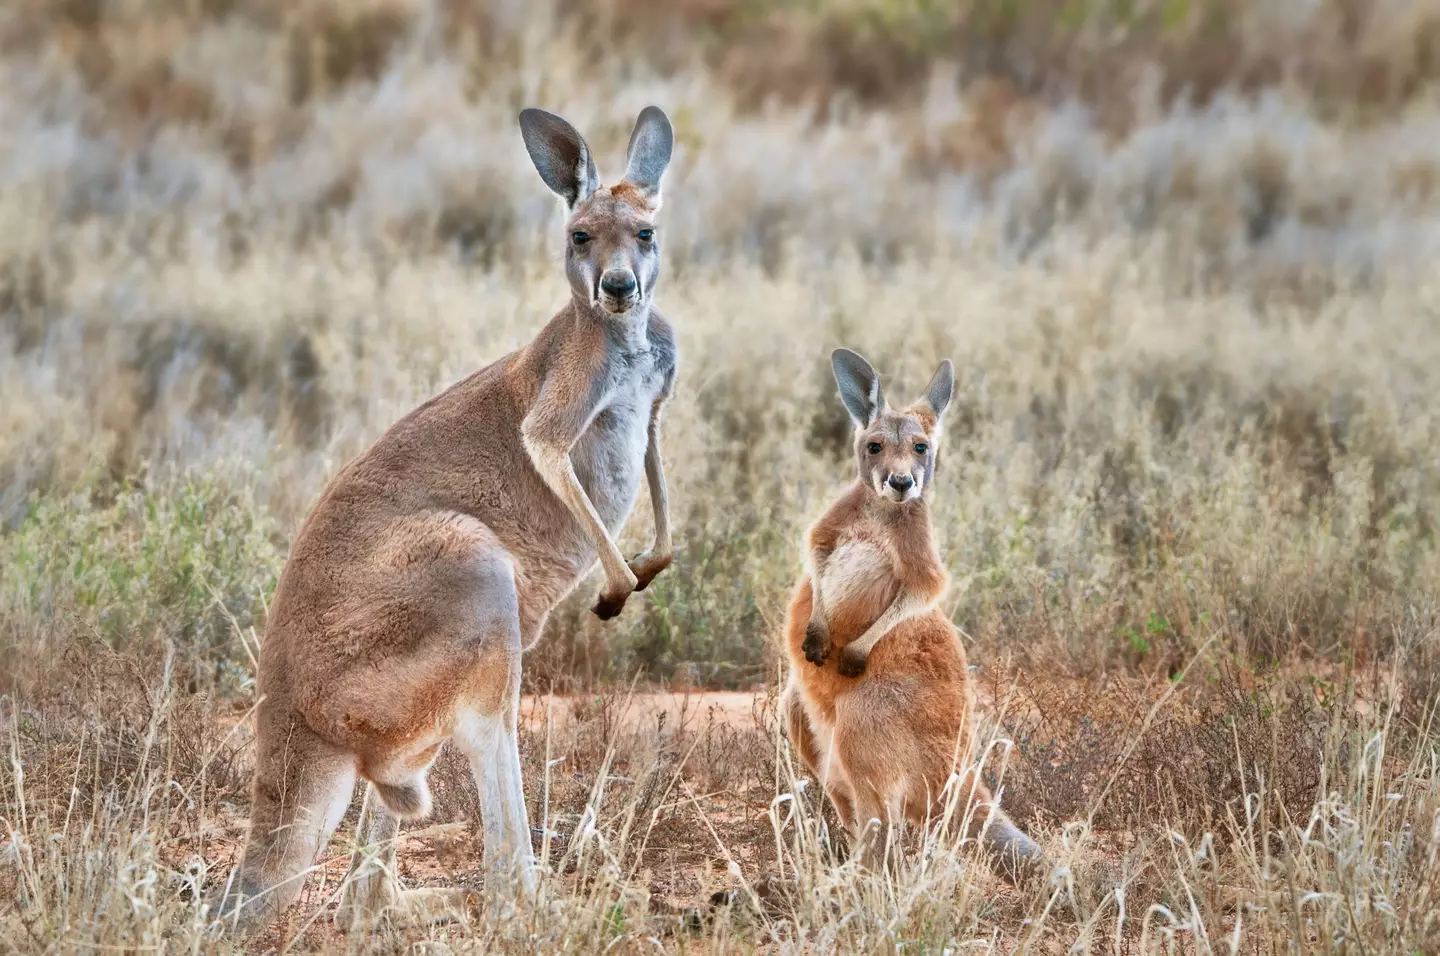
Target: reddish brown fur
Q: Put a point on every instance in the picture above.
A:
(903, 532)
(885, 743)
(920, 661)
(633, 195)
(432, 559)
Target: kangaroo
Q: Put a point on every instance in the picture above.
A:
(431, 562)
(878, 701)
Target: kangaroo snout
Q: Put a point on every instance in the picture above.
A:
(618, 289)
(618, 282)
(901, 486)
(901, 483)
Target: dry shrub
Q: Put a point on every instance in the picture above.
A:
(331, 44)
(28, 286)
(224, 371)
(94, 725)
(1123, 753)
(872, 52)
(880, 51)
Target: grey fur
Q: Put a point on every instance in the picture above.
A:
(859, 386)
(560, 155)
(941, 388)
(648, 154)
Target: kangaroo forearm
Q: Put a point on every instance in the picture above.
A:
(558, 473)
(906, 605)
(659, 494)
(814, 563)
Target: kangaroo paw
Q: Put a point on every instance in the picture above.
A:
(817, 643)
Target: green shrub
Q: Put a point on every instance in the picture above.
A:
(185, 560)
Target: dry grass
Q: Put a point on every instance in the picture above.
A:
(1188, 494)
(694, 835)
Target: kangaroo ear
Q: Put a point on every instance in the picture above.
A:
(560, 155)
(940, 389)
(649, 153)
(859, 386)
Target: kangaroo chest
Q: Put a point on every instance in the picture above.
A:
(609, 459)
(857, 583)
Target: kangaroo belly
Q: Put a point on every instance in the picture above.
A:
(857, 585)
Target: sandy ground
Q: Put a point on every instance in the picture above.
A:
(737, 709)
(449, 853)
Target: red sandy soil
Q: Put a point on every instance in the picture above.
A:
(736, 709)
(450, 853)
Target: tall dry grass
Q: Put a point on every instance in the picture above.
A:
(1188, 488)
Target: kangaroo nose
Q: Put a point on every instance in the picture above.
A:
(618, 282)
(901, 483)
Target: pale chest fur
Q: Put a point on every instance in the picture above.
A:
(609, 458)
(855, 568)
(857, 582)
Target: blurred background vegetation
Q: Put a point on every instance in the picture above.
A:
(1181, 251)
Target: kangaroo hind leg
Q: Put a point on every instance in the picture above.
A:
(487, 732)
(372, 890)
(302, 787)
(475, 657)
(797, 729)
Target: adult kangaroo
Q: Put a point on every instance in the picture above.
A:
(431, 561)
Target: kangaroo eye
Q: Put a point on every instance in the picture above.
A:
(579, 238)
(921, 448)
(645, 235)
(873, 448)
